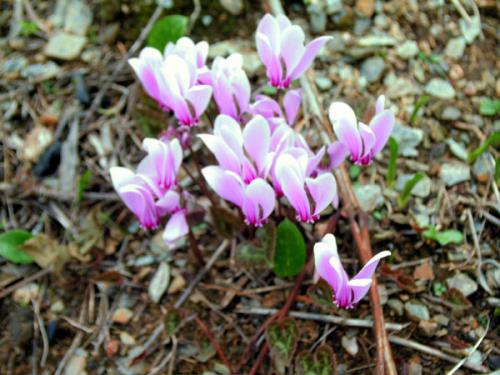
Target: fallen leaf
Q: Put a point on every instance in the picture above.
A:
(159, 282)
(424, 272)
(46, 252)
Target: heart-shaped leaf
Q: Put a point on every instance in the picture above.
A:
(167, 29)
(10, 243)
(290, 253)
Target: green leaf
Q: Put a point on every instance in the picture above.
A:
(439, 289)
(83, 184)
(290, 253)
(492, 140)
(282, 339)
(167, 29)
(9, 246)
(393, 157)
(497, 170)
(445, 237)
(28, 28)
(404, 197)
(489, 107)
(423, 100)
(354, 171)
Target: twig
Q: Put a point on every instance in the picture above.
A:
(472, 350)
(194, 16)
(201, 274)
(43, 332)
(121, 64)
(25, 281)
(214, 343)
(479, 270)
(434, 352)
(321, 318)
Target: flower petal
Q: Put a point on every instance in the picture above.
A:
(259, 201)
(339, 110)
(169, 203)
(176, 227)
(292, 47)
(256, 140)
(323, 251)
(120, 177)
(367, 137)
(322, 189)
(291, 104)
(382, 125)
(225, 184)
(310, 53)
(369, 268)
(140, 201)
(199, 96)
(337, 152)
(225, 156)
(359, 288)
(379, 104)
(269, 27)
(347, 132)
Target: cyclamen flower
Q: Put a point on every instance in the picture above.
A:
(256, 200)
(173, 82)
(196, 54)
(307, 195)
(271, 110)
(230, 85)
(346, 293)
(362, 142)
(281, 48)
(149, 193)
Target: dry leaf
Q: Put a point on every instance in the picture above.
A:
(46, 252)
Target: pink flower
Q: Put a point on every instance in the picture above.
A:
(244, 153)
(307, 195)
(149, 193)
(327, 263)
(281, 48)
(173, 82)
(256, 200)
(271, 110)
(230, 86)
(196, 54)
(362, 142)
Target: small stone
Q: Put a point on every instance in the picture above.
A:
(440, 88)
(451, 113)
(416, 310)
(64, 46)
(361, 25)
(317, 18)
(455, 48)
(122, 315)
(441, 319)
(408, 49)
(112, 347)
(127, 339)
(77, 364)
(11, 68)
(377, 41)
(26, 293)
(454, 173)
(37, 140)
(78, 18)
(422, 189)
(483, 168)
(177, 284)
(40, 72)
(458, 149)
(365, 7)
(350, 344)
(428, 327)
(57, 307)
(398, 87)
(343, 19)
(408, 139)
(437, 133)
(235, 7)
(396, 305)
(159, 283)
(369, 196)
(323, 83)
(372, 69)
(424, 272)
(463, 283)
(109, 33)
(456, 72)
(92, 56)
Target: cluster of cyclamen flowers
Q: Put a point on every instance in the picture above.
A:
(260, 158)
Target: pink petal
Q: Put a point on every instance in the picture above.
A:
(225, 156)
(322, 189)
(230, 131)
(202, 53)
(292, 47)
(359, 288)
(266, 107)
(120, 177)
(170, 202)
(256, 140)
(269, 27)
(314, 161)
(176, 228)
(141, 202)
(337, 152)
(339, 276)
(382, 125)
(259, 201)
(347, 132)
(291, 103)
(323, 251)
(339, 110)
(379, 104)
(199, 96)
(310, 53)
(291, 179)
(225, 184)
(369, 268)
(367, 137)
(283, 22)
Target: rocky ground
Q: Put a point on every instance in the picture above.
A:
(102, 296)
